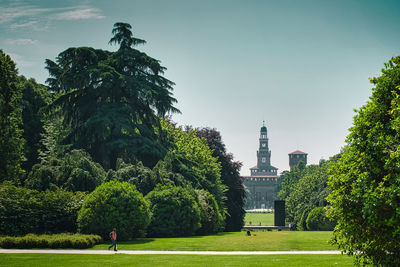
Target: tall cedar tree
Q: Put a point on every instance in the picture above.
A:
(11, 141)
(230, 176)
(111, 100)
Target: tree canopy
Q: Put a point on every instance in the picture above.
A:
(230, 177)
(365, 182)
(11, 141)
(110, 100)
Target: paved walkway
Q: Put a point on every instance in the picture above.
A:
(137, 252)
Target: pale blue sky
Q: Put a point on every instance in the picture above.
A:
(302, 66)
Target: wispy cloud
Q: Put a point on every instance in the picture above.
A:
(10, 14)
(80, 13)
(21, 41)
(29, 16)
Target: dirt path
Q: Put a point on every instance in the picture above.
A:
(85, 251)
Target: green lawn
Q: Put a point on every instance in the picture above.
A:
(172, 260)
(235, 241)
(257, 218)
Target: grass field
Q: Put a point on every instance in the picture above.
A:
(272, 241)
(257, 218)
(172, 260)
(235, 241)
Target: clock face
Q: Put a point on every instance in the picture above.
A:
(263, 145)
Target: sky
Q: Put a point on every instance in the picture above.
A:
(300, 66)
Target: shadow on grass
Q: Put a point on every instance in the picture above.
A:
(139, 241)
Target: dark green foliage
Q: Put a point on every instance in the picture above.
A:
(79, 173)
(230, 176)
(11, 141)
(212, 220)
(304, 188)
(115, 205)
(144, 178)
(365, 182)
(302, 224)
(77, 241)
(25, 211)
(74, 172)
(290, 180)
(175, 210)
(317, 221)
(191, 157)
(110, 100)
(35, 98)
(309, 192)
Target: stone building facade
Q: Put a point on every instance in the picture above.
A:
(297, 156)
(264, 183)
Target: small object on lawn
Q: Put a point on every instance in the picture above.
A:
(254, 234)
(248, 233)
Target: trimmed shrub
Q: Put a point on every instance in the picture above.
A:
(50, 241)
(25, 211)
(212, 220)
(317, 221)
(115, 205)
(175, 211)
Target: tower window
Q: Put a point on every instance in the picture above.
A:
(263, 160)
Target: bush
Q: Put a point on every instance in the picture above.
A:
(50, 241)
(115, 205)
(317, 221)
(25, 211)
(212, 221)
(175, 211)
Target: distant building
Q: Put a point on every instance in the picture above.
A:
(264, 183)
(297, 156)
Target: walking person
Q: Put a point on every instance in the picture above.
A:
(113, 237)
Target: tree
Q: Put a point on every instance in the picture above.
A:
(211, 219)
(290, 180)
(144, 178)
(310, 192)
(365, 182)
(192, 158)
(76, 171)
(124, 37)
(115, 205)
(110, 100)
(11, 141)
(35, 98)
(230, 176)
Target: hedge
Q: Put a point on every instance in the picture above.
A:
(78, 241)
(24, 211)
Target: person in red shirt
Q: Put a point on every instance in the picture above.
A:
(113, 237)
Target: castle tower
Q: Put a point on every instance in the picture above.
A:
(264, 167)
(297, 156)
(263, 183)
